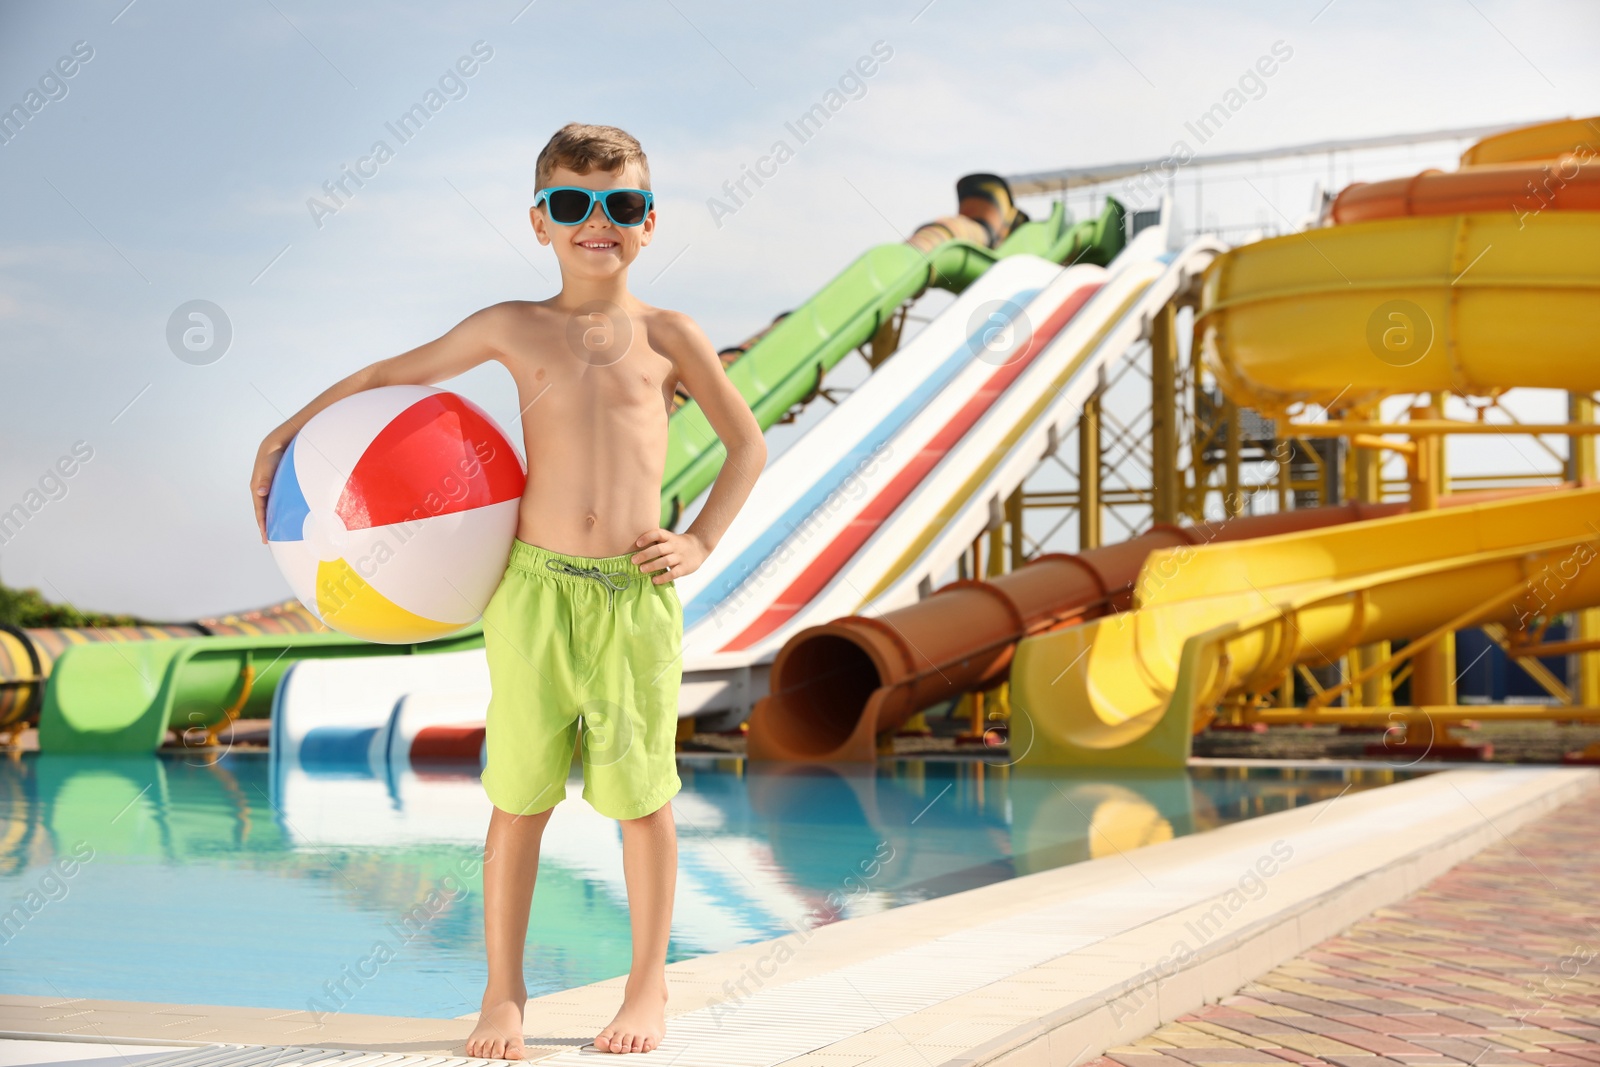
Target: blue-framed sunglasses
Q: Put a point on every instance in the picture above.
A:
(571, 204)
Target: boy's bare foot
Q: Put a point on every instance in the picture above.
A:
(640, 1023)
(498, 1035)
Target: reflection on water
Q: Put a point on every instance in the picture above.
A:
(165, 879)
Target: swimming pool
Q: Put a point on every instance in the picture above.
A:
(166, 878)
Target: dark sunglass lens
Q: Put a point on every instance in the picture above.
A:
(568, 205)
(626, 208)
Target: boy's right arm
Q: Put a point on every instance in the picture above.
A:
(470, 342)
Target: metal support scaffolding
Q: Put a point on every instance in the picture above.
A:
(1165, 501)
(1089, 463)
(1581, 468)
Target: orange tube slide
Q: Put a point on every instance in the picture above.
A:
(1571, 183)
(1551, 165)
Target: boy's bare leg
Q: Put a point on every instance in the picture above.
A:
(510, 868)
(650, 866)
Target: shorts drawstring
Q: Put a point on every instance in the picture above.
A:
(597, 574)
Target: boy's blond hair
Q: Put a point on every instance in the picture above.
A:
(584, 148)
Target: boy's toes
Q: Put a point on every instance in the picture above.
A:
(624, 1042)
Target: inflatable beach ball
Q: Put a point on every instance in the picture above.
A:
(392, 513)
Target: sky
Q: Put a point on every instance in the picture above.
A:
(182, 158)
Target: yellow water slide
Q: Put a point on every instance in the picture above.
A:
(1474, 304)
(1538, 143)
(1224, 620)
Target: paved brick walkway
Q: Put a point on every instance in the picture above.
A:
(1496, 962)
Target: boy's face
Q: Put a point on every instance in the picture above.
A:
(596, 247)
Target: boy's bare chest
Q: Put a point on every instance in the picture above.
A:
(635, 382)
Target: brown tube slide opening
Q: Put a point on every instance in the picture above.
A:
(833, 679)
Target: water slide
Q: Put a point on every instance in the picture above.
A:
(124, 697)
(107, 700)
(1552, 165)
(1226, 622)
(830, 491)
(1486, 301)
(909, 485)
(1540, 142)
(784, 364)
(1498, 301)
(27, 654)
(372, 711)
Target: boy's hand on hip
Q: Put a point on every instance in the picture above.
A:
(667, 556)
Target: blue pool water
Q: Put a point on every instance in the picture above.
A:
(167, 878)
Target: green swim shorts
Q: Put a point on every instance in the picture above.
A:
(586, 648)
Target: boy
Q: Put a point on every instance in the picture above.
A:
(586, 623)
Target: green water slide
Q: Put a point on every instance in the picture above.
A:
(124, 697)
(787, 364)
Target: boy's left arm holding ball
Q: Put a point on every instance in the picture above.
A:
(478, 337)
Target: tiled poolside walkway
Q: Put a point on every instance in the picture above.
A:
(1497, 962)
